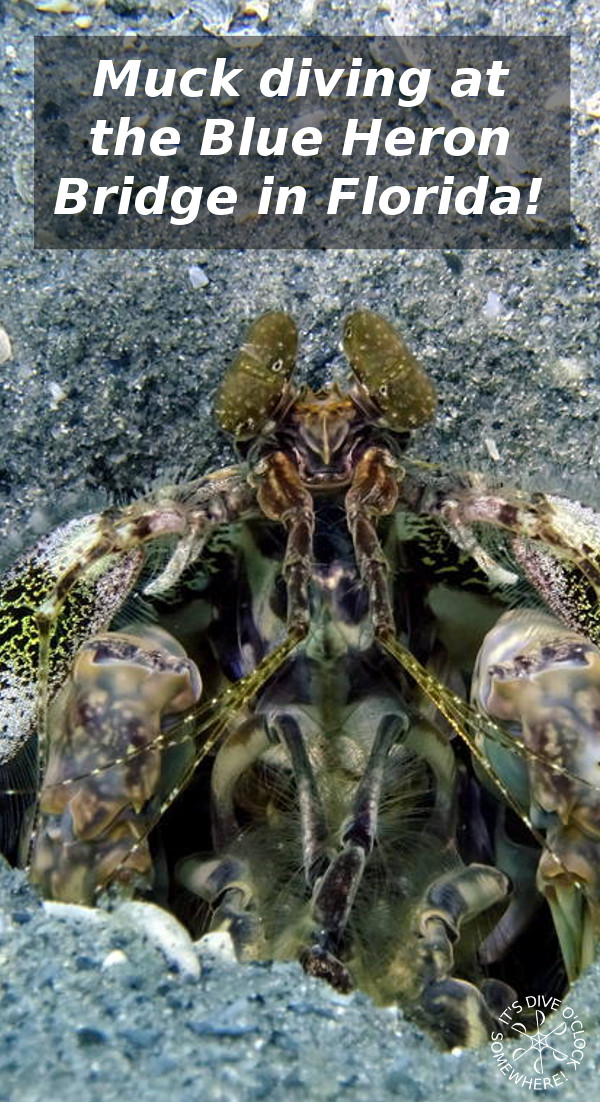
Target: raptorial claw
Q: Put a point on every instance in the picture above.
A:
(544, 679)
(104, 762)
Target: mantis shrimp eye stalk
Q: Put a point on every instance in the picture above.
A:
(256, 384)
(388, 373)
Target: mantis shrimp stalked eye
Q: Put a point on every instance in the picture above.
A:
(389, 372)
(256, 381)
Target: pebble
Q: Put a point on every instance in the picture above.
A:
(21, 917)
(164, 931)
(116, 956)
(217, 944)
(85, 963)
(88, 1035)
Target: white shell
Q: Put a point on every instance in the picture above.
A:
(5, 346)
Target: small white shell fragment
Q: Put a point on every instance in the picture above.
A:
(197, 276)
(493, 307)
(5, 346)
(592, 107)
(117, 956)
(164, 931)
(84, 22)
(308, 12)
(492, 448)
(216, 16)
(217, 944)
(57, 394)
(22, 174)
(256, 7)
(57, 7)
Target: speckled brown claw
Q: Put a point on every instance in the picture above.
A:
(104, 764)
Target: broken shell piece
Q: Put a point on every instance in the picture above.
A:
(256, 7)
(197, 276)
(592, 107)
(57, 394)
(216, 16)
(116, 956)
(57, 7)
(5, 346)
